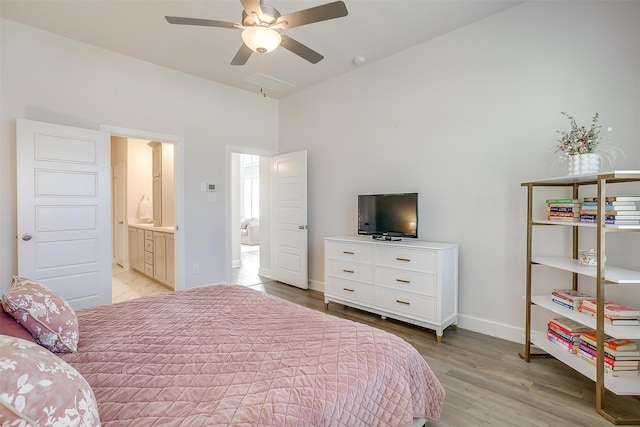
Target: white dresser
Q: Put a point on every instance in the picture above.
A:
(409, 280)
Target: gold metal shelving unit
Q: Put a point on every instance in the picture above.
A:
(602, 275)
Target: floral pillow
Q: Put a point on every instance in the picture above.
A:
(39, 388)
(47, 316)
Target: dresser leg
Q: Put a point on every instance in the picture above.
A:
(439, 338)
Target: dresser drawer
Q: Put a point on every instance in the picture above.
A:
(350, 252)
(406, 280)
(148, 245)
(350, 270)
(409, 259)
(148, 257)
(148, 234)
(360, 293)
(416, 306)
(148, 269)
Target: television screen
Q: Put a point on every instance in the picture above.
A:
(392, 215)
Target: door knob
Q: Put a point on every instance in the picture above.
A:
(26, 237)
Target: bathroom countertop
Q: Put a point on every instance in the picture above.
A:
(163, 228)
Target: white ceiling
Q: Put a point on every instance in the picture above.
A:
(373, 28)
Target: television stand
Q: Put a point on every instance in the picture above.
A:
(387, 238)
(412, 281)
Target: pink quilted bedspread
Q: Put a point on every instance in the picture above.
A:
(228, 355)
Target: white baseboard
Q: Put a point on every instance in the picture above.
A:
(488, 327)
(316, 285)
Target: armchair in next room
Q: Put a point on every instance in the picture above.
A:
(250, 231)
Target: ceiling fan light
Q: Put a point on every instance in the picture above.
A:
(261, 39)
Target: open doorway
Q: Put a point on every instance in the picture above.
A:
(246, 211)
(143, 217)
(282, 217)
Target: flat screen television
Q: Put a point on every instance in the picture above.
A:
(388, 216)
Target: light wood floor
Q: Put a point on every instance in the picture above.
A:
(487, 384)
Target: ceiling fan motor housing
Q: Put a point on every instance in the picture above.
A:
(269, 16)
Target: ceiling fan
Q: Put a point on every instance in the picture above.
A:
(261, 25)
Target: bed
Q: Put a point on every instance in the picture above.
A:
(229, 355)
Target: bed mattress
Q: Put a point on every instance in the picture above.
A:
(229, 355)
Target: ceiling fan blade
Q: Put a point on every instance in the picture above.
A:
(242, 56)
(201, 22)
(301, 50)
(252, 6)
(337, 9)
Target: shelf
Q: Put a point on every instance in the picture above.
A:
(586, 224)
(629, 332)
(611, 177)
(617, 385)
(611, 274)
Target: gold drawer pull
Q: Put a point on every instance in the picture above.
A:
(402, 302)
(347, 271)
(348, 290)
(403, 259)
(347, 252)
(403, 281)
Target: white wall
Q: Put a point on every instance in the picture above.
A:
(463, 120)
(52, 79)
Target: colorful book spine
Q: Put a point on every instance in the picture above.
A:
(612, 309)
(611, 221)
(607, 359)
(570, 326)
(563, 214)
(612, 199)
(607, 369)
(607, 208)
(565, 303)
(570, 295)
(614, 355)
(589, 216)
(562, 209)
(562, 201)
(569, 346)
(609, 203)
(612, 212)
(575, 338)
(617, 344)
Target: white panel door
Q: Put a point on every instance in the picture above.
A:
(289, 180)
(64, 210)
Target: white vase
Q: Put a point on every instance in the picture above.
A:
(580, 164)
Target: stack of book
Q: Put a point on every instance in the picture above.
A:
(568, 298)
(563, 210)
(619, 210)
(566, 333)
(614, 313)
(621, 356)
